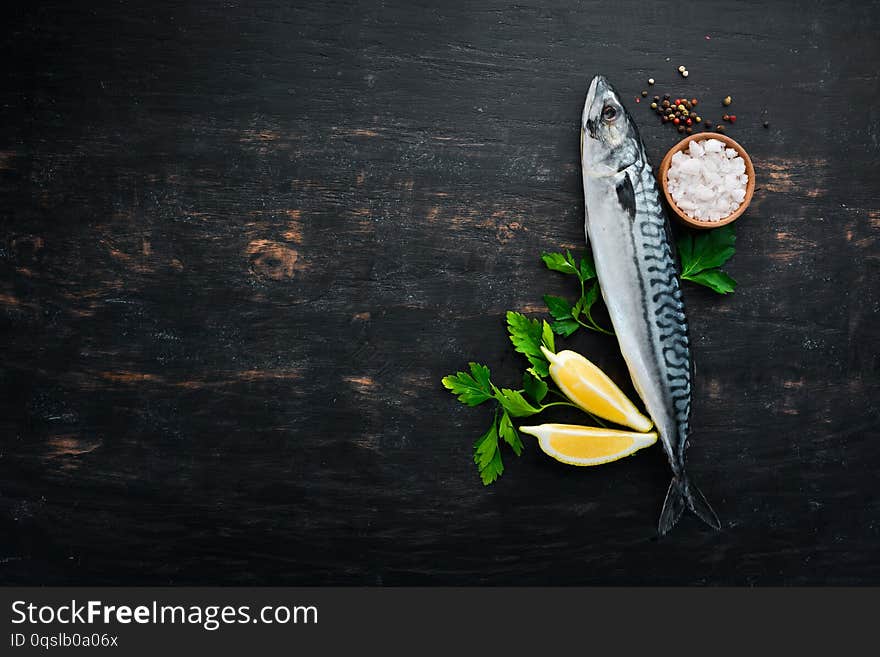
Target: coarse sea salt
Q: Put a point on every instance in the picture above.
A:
(708, 181)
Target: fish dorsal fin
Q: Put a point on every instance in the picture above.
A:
(626, 196)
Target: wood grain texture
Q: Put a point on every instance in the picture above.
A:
(242, 242)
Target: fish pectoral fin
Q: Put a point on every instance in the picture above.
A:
(626, 196)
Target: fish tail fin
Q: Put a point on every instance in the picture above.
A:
(684, 495)
(673, 507)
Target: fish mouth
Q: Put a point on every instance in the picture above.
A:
(599, 89)
(598, 86)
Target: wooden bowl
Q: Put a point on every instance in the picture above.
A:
(664, 182)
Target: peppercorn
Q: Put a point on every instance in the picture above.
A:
(689, 130)
(644, 93)
(733, 118)
(665, 103)
(677, 115)
(693, 101)
(689, 122)
(666, 96)
(680, 107)
(650, 80)
(681, 69)
(653, 106)
(681, 128)
(698, 119)
(684, 74)
(676, 120)
(727, 101)
(719, 128)
(766, 124)
(665, 118)
(726, 117)
(685, 113)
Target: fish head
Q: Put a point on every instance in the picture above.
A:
(609, 138)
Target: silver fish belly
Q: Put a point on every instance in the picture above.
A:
(632, 247)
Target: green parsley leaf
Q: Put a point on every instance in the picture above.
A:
(565, 327)
(487, 456)
(685, 246)
(715, 279)
(485, 445)
(706, 252)
(507, 431)
(493, 470)
(587, 270)
(527, 336)
(534, 387)
(558, 307)
(547, 338)
(560, 263)
(472, 389)
(481, 375)
(588, 300)
(514, 403)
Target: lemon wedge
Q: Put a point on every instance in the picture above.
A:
(589, 388)
(577, 445)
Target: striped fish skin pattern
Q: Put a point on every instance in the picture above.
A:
(630, 237)
(665, 308)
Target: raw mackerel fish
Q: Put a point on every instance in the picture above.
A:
(633, 250)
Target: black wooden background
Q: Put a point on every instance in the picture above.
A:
(243, 241)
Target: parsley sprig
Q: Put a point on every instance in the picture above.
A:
(567, 316)
(702, 255)
(476, 387)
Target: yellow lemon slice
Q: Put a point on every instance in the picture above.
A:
(590, 388)
(577, 445)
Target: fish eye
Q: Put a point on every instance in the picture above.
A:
(609, 113)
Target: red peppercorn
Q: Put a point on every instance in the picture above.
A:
(733, 118)
(689, 122)
(693, 101)
(677, 101)
(676, 121)
(638, 100)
